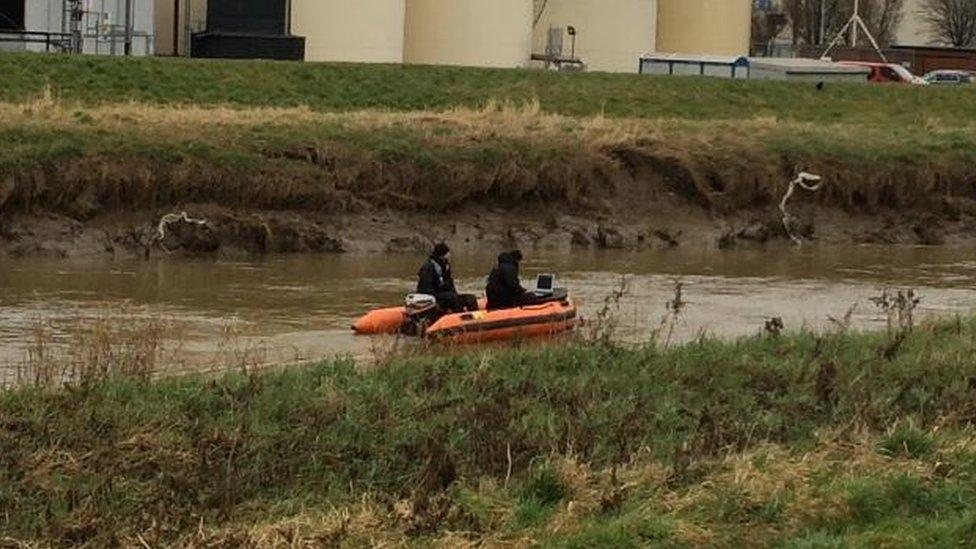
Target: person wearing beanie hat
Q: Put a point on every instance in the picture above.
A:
(504, 289)
(441, 250)
(436, 279)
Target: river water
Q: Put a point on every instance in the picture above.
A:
(287, 308)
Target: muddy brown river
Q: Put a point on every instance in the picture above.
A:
(294, 308)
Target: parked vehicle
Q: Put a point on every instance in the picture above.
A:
(949, 78)
(887, 73)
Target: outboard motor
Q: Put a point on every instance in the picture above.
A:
(422, 311)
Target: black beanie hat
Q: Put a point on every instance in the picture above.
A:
(441, 249)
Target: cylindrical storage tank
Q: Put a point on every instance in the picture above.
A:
(717, 27)
(360, 31)
(611, 35)
(479, 33)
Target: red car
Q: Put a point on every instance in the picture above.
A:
(887, 73)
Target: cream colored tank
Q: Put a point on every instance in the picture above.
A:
(718, 27)
(481, 33)
(914, 29)
(611, 35)
(360, 31)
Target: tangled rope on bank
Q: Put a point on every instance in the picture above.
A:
(806, 181)
(168, 220)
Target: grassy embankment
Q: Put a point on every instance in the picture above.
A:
(86, 135)
(797, 441)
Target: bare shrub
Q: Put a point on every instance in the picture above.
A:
(898, 308)
(602, 329)
(239, 349)
(675, 306)
(951, 22)
(88, 348)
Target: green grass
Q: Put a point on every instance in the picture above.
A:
(142, 157)
(346, 87)
(753, 442)
(87, 135)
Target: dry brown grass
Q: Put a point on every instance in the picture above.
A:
(752, 478)
(149, 156)
(89, 347)
(240, 348)
(124, 341)
(494, 121)
(367, 522)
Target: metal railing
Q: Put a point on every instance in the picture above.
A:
(53, 41)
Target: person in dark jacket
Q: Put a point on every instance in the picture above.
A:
(504, 289)
(436, 279)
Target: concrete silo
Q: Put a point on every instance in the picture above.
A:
(482, 33)
(364, 31)
(718, 27)
(99, 27)
(611, 35)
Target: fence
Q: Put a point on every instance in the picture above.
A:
(53, 41)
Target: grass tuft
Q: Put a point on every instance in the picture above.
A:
(909, 442)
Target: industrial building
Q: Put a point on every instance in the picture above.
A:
(674, 64)
(494, 33)
(371, 33)
(705, 27)
(468, 32)
(602, 35)
(753, 68)
(608, 35)
(77, 26)
(611, 35)
(913, 29)
(595, 35)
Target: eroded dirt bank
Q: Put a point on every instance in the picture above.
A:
(219, 231)
(100, 181)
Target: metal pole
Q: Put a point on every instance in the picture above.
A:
(288, 18)
(823, 21)
(100, 28)
(836, 40)
(187, 45)
(176, 28)
(77, 14)
(854, 27)
(128, 27)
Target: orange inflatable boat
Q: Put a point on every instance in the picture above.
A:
(544, 319)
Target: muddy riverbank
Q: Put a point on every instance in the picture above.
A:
(97, 180)
(214, 231)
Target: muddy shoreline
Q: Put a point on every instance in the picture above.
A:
(211, 230)
(294, 181)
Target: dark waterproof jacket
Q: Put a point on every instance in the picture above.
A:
(504, 289)
(435, 277)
